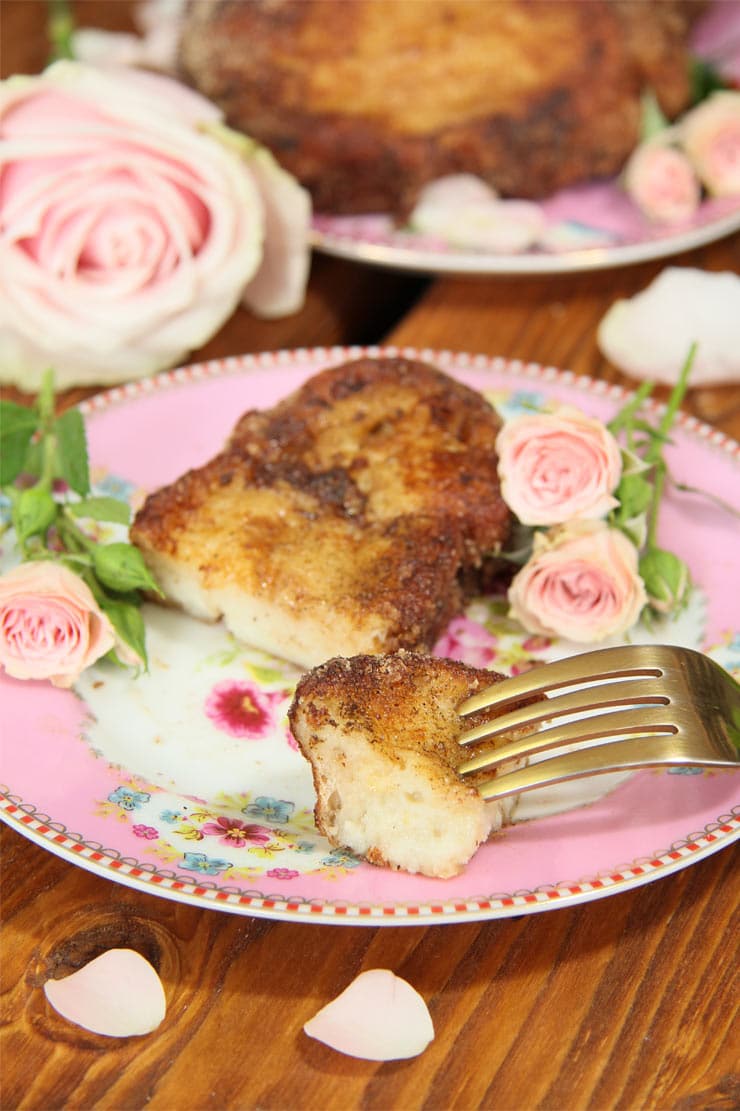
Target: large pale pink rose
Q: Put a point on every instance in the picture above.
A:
(710, 134)
(662, 182)
(558, 467)
(581, 583)
(130, 226)
(50, 625)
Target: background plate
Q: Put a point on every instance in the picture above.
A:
(184, 783)
(592, 213)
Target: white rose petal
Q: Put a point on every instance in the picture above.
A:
(467, 213)
(501, 227)
(456, 190)
(160, 23)
(379, 1017)
(118, 994)
(96, 47)
(649, 335)
(279, 286)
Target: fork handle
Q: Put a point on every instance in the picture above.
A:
(616, 756)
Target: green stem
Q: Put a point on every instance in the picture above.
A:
(60, 27)
(654, 453)
(652, 521)
(617, 423)
(719, 502)
(48, 460)
(674, 403)
(46, 430)
(72, 535)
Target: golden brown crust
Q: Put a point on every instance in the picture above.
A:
(399, 702)
(361, 497)
(381, 438)
(366, 100)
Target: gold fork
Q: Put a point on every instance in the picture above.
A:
(664, 705)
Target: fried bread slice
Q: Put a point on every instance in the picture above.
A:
(381, 735)
(341, 520)
(368, 106)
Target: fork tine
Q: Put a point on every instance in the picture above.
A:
(605, 663)
(637, 752)
(630, 692)
(646, 719)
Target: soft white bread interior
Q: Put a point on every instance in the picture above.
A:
(381, 734)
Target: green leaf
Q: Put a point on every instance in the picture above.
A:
(667, 580)
(126, 619)
(17, 425)
(634, 494)
(72, 451)
(34, 510)
(632, 463)
(101, 509)
(121, 567)
(652, 117)
(705, 80)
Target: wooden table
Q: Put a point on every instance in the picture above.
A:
(626, 1002)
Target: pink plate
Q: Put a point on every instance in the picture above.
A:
(186, 783)
(587, 227)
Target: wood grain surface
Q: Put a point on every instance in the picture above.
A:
(626, 1002)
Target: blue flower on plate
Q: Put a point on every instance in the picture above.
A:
(114, 487)
(686, 770)
(171, 816)
(270, 810)
(305, 847)
(341, 858)
(523, 401)
(128, 799)
(208, 866)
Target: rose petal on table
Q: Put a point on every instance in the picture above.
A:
(379, 1017)
(649, 335)
(117, 994)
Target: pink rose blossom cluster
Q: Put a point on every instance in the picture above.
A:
(559, 473)
(666, 173)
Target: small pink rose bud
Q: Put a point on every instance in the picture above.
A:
(662, 182)
(710, 134)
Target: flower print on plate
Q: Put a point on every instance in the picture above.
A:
(186, 781)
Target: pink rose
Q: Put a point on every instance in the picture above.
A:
(132, 223)
(662, 182)
(50, 625)
(710, 134)
(558, 467)
(581, 583)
